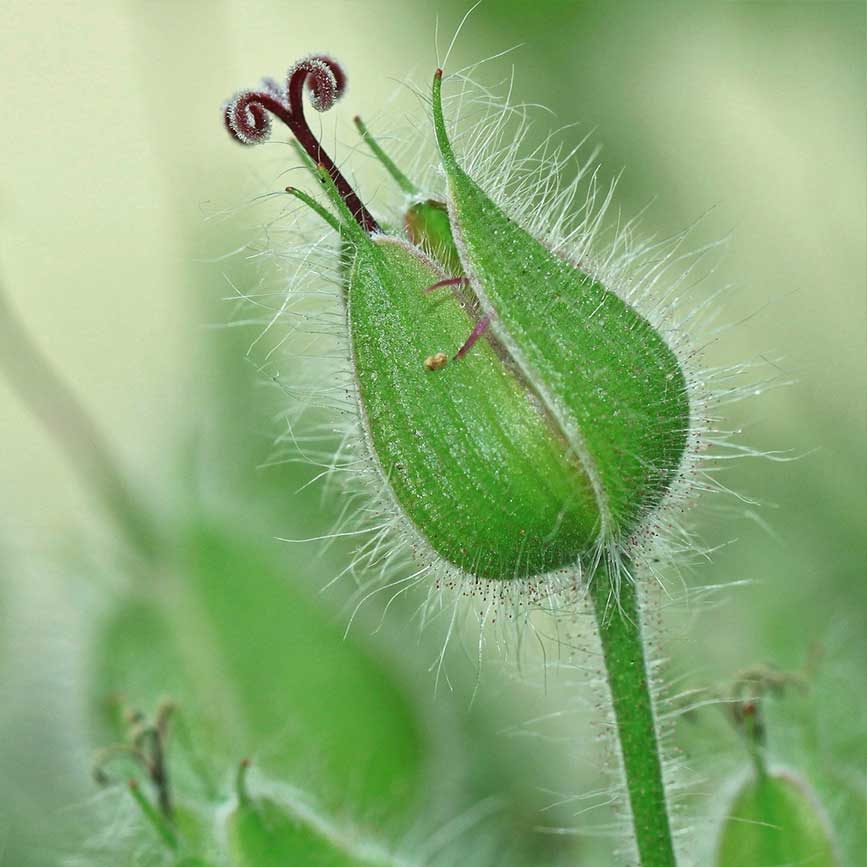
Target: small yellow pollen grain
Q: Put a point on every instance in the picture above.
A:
(436, 361)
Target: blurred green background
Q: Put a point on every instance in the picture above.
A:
(120, 198)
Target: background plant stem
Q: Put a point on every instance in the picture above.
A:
(619, 623)
(45, 393)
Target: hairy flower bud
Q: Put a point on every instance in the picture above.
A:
(263, 832)
(561, 420)
(774, 819)
(525, 424)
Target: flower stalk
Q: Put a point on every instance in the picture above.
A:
(618, 619)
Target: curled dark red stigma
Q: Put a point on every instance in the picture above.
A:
(248, 118)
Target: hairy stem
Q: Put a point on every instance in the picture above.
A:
(618, 619)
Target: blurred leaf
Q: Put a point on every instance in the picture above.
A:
(136, 663)
(260, 668)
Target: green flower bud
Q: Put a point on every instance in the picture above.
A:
(262, 832)
(774, 819)
(524, 418)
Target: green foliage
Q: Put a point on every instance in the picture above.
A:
(284, 665)
(261, 669)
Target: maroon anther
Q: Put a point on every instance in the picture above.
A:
(449, 281)
(475, 334)
(247, 118)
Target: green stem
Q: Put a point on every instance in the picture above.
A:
(618, 620)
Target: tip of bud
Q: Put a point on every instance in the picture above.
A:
(438, 73)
